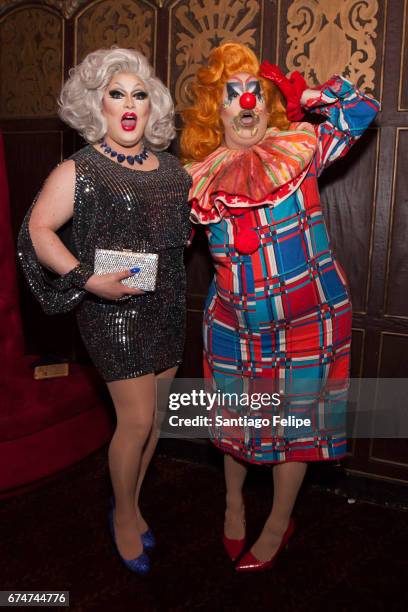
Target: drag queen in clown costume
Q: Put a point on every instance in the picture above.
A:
(279, 308)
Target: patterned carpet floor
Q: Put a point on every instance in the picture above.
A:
(343, 557)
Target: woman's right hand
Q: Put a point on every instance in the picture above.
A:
(109, 286)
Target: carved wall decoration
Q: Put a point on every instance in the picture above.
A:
(65, 7)
(31, 63)
(327, 37)
(7, 4)
(197, 26)
(126, 23)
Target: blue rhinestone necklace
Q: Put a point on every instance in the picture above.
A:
(131, 159)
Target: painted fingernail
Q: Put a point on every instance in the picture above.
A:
(135, 270)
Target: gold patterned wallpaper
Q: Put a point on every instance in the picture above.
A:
(196, 26)
(31, 63)
(325, 37)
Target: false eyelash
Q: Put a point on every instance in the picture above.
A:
(116, 94)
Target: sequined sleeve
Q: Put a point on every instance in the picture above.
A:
(56, 294)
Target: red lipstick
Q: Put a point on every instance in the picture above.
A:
(128, 121)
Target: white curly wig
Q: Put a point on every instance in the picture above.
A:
(81, 96)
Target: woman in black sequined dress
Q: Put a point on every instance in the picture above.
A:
(117, 198)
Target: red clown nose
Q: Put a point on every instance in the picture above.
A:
(247, 100)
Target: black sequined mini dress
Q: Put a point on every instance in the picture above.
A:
(119, 208)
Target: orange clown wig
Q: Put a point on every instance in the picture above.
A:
(203, 131)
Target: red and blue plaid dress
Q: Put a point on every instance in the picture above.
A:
(278, 319)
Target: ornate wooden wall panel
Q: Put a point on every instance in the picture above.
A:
(196, 26)
(30, 155)
(364, 195)
(31, 62)
(389, 454)
(125, 23)
(348, 192)
(403, 74)
(24, 148)
(32, 53)
(325, 37)
(357, 355)
(396, 292)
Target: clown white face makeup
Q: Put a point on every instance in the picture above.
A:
(126, 108)
(243, 112)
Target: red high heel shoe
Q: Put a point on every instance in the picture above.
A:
(249, 563)
(233, 547)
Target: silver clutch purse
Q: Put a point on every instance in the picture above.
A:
(107, 261)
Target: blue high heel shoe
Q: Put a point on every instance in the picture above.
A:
(148, 539)
(139, 565)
